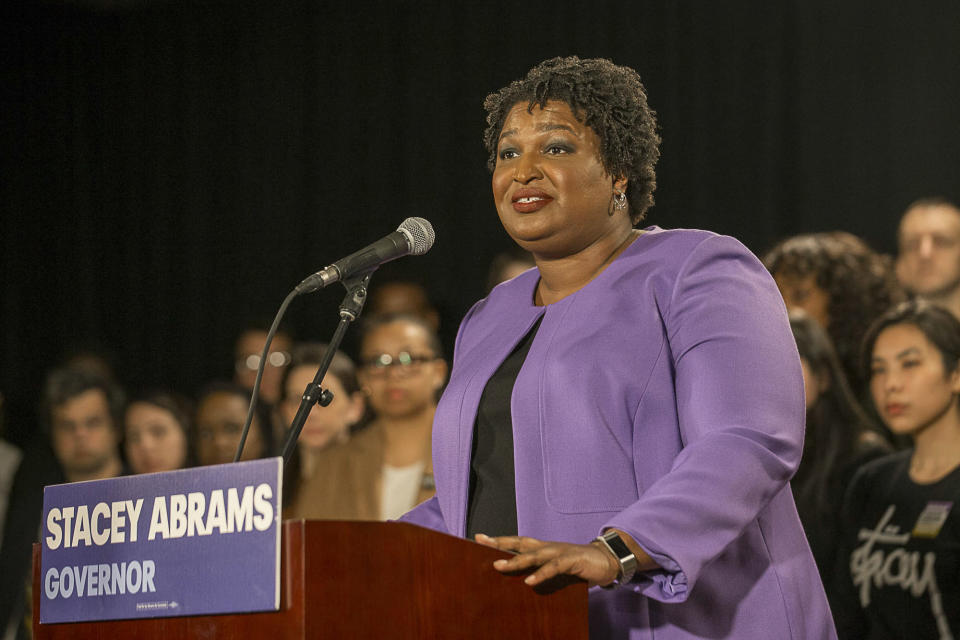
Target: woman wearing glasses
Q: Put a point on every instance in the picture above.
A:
(385, 469)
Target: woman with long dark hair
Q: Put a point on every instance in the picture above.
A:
(840, 437)
(900, 566)
(325, 426)
(157, 429)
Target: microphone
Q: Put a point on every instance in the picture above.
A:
(414, 235)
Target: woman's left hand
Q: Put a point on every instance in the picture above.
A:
(589, 562)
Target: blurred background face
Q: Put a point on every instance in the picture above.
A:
(247, 354)
(154, 441)
(220, 419)
(929, 260)
(513, 269)
(324, 425)
(802, 293)
(400, 370)
(408, 298)
(908, 383)
(82, 433)
(508, 265)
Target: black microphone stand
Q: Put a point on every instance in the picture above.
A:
(350, 310)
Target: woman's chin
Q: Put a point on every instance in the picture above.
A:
(529, 229)
(901, 427)
(536, 243)
(315, 440)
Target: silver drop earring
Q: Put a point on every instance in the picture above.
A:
(620, 200)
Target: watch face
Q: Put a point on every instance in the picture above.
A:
(616, 543)
(628, 562)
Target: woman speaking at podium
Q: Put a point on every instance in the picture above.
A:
(630, 411)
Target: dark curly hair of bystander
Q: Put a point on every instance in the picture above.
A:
(859, 285)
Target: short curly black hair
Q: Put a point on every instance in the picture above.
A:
(859, 284)
(608, 98)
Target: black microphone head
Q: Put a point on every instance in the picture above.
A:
(419, 234)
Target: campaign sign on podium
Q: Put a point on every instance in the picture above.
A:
(181, 543)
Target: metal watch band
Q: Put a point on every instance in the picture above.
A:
(615, 544)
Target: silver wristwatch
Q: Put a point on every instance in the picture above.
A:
(613, 543)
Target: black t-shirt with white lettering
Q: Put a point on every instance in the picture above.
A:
(900, 560)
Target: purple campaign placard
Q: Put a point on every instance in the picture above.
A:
(181, 543)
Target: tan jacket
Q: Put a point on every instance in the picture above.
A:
(346, 483)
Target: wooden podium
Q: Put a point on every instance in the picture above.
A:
(369, 580)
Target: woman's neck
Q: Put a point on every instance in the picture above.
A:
(307, 461)
(937, 448)
(308, 455)
(561, 277)
(407, 438)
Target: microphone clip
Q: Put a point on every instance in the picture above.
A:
(356, 296)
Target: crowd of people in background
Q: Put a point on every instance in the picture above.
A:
(877, 336)
(365, 456)
(879, 342)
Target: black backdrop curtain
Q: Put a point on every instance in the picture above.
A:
(171, 169)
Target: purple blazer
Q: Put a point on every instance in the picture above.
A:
(664, 398)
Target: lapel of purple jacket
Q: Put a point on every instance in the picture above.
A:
(474, 364)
